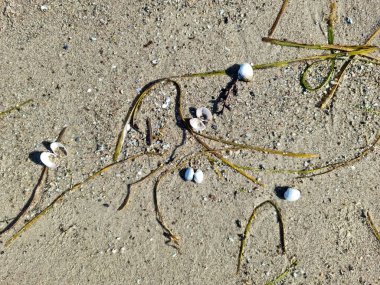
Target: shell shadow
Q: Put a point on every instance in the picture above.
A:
(280, 191)
(47, 144)
(182, 173)
(232, 72)
(35, 157)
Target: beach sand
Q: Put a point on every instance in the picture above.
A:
(83, 63)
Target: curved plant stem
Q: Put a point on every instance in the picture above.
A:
(248, 227)
(69, 190)
(129, 191)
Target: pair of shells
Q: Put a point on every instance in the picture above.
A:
(49, 159)
(204, 116)
(197, 176)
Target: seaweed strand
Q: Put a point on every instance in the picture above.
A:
(248, 227)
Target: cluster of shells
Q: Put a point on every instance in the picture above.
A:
(50, 159)
(203, 118)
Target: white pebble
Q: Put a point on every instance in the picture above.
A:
(189, 174)
(44, 8)
(198, 176)
(245, 72)
(292, 194)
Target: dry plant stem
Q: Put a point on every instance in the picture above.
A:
(339, 55)
(330, 94)
(129, 192)
(330, 47)
(334, 166)
(282, 276)
(372, 226)
(168, 232)
(248, 227)
(260, 149)
(16, 107)
(69, 190)
(159, 216)
(214, 166)
(30, 203)
(280, 13)
(36, 193)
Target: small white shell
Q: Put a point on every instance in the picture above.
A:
(127, 127)
(198, 176)
(292, 194)
(204, 114)
(245, 72)
(189, 174)
(58, 148)
(47, 158)
(197, 124)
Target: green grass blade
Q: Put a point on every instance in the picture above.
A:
(16, 107)
(248, 227)
(283, 275)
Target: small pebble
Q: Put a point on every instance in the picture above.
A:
(44, 8)
(348, 20)
(189, 174)
(292, 194)
(198, 176)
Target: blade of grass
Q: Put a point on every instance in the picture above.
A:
(283, 275)
(371, 224)
(16, 107)
(329, 47)
(339, 55)
(279, 15)
(248, 227)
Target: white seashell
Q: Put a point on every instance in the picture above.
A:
(245, 72)
(292, 194)
(127, 127)
(204, 114)
(58, 148)
(198, 176)
(197, 124)
(189, 174)
(47, 158)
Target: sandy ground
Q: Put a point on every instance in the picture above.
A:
(82, 63)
